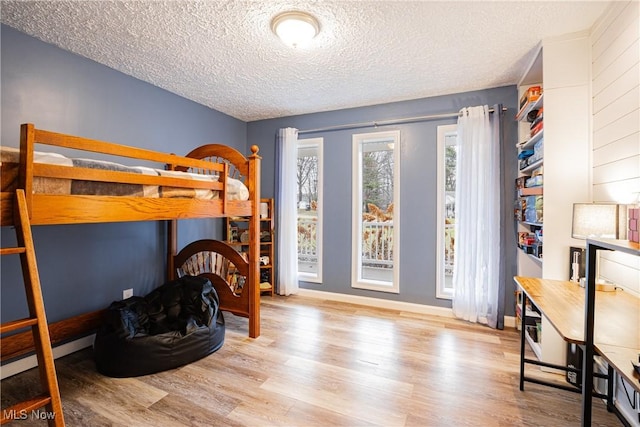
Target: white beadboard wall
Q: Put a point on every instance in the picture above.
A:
(616, 104)
(615, 53)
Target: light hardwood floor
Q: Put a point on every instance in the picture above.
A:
(322, 363)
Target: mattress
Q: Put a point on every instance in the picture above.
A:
(9, 164)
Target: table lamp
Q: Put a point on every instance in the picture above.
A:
(599, 221)
(593, 220)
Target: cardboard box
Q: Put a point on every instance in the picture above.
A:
(530, 95)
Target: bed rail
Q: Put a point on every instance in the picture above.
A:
(69, 209)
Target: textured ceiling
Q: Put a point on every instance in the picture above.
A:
(223, 54)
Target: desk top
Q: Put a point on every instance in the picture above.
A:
(620, 358)
(561, 302)
(616, 319)
(626, 246)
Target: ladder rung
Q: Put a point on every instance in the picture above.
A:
(12, 413)
(14, 250)
(41, 337)
(18, 324)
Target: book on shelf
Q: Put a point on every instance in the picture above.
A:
(530, 191)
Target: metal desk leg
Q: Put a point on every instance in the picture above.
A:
(610, 374)
(587, 364)
(523, 316)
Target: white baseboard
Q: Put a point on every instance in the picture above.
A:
(29, 362)
(509, 321)
(378, 303)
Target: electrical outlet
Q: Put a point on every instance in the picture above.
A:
(127, 293)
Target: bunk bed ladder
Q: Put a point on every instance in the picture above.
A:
(37, 321)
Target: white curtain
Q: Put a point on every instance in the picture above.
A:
(477, 246)
(286, 212)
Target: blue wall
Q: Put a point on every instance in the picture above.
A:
(417, 180)
(85, 267)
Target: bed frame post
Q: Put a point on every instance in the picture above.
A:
(223, 181)
(172, 240)
(25, 176)
(172, 248)
(254, 246)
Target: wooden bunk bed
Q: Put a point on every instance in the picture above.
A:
(39, 188)
(173, 195)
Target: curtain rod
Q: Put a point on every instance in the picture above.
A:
(386, 122)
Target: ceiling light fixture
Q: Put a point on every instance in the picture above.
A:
(295, 29)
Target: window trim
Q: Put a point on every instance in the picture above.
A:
(319, 143)
(443, 132)
(356, 212)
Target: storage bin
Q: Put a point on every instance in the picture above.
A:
(533, 215)
(534, 202)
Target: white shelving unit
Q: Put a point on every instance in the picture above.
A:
(532, 141)
(561, 68)
(536, 259)
(532, 166)
(536, 347)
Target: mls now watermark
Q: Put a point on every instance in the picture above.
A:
(23, 414)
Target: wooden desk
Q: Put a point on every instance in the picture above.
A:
(616, 333)
(560, 302)
(618, 346)
(620, 359)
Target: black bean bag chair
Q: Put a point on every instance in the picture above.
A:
(178, 323)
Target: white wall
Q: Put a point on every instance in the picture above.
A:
(615, 68)
(616, 98)
(567, 114)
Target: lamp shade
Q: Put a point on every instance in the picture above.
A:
(591, 220)
(295, 29)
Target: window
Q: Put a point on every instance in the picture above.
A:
(446, 202)
(310, 209)
(376, 196)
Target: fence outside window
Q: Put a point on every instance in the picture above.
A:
(377, 243)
